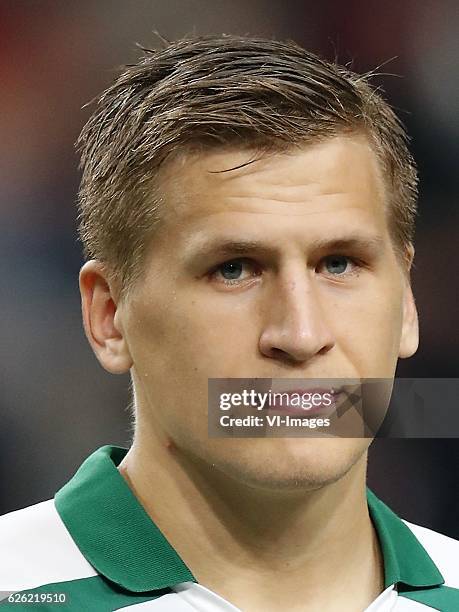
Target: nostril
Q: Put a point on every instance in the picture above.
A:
(281, 355)
(324, 349)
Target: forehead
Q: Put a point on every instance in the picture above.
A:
(337, 178)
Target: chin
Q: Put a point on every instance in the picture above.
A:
(295, 464)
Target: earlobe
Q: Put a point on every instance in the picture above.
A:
(409, 340)
(101, 319)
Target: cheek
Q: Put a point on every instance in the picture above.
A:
(369, 332)
(184, 340)
(169, 383)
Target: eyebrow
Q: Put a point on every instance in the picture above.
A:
(211, 247)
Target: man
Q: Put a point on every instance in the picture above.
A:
(246, 210)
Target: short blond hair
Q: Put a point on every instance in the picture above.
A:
(215, 90)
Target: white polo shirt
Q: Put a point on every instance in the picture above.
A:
(94, 548)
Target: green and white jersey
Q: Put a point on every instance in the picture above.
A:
(94, 548)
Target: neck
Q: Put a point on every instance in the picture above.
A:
(222, 528)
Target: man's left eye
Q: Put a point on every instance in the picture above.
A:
(338, 264)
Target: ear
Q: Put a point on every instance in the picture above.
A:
(102, 323)
(409, 340)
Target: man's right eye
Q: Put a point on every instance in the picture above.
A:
(234, 271)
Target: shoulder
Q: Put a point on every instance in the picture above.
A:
(37, 549)
(443, 550)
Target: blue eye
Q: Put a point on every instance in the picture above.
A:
(231, 270)
(336, 264)
(235, 272)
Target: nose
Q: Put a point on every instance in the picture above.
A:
(295, 328)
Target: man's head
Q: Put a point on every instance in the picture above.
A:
(249, 211)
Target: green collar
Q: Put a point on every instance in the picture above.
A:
(406, 562)
(119, 539)
(112, 529)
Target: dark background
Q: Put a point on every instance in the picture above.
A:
(56, 403)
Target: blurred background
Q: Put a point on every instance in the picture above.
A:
(56, 403)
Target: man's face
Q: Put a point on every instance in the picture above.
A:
(283, 268)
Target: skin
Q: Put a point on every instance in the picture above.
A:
(268, 514)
